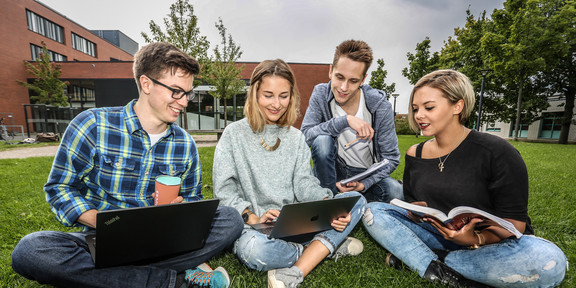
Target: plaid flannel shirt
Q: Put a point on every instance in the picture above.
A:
(106, 161)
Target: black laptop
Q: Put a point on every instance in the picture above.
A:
(299, 222)
(143, 235)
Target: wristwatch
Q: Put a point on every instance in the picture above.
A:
(246, 216)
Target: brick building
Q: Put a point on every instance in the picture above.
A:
(98, 66)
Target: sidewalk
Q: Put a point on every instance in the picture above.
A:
(24, 152)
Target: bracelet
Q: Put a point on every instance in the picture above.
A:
(481, 240)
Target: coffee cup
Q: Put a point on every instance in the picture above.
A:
(166, 189)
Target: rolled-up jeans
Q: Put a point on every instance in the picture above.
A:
(63, 259)
(258, 252)
(526, 262)
(329, 169)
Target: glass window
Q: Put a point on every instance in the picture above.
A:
(82, 44)
(551, 125)
(44, 26)
(35, 51)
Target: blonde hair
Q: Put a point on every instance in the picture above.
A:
(255, 116)
(454, 85)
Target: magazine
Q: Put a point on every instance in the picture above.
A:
(458, 216)
(375, 167)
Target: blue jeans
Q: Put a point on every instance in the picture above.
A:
(329, 169)
(526, 262)
(256, 251)
(63, 259)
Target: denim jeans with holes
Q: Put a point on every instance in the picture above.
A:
(526, 262)
(329, 169)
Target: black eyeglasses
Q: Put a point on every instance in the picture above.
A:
(176, 93)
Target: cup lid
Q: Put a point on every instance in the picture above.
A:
(168, 180)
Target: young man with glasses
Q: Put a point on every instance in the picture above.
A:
(350, 126)
(108, 159)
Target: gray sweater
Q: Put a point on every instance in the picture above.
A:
(245, 175)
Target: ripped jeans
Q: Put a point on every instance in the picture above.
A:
(526, 262)
(256, 251)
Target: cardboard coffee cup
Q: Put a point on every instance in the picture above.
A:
(166, 190)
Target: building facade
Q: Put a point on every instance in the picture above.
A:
(547, 129)
(98, 66)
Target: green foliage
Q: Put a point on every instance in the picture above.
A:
(378, 79)
(181, 29)
(224, 74)
(421, 63)
(47, 85)
(550, 167)
(403, 127)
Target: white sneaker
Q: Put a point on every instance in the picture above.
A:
(285, 277)
(350, 247)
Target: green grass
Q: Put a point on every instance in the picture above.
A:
(552, 170)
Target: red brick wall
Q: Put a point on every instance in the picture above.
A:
(15, 48)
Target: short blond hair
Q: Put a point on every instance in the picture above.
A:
(454, 85)
(266, 68)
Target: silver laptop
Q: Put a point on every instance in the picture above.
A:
(299, 222)
(143, 235)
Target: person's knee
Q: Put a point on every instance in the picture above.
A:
(233, 220)
(252, 251)
(24, 254)
(323, 146)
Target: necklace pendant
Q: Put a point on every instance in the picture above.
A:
(441, 166)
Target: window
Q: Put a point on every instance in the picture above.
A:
(492, 128)
(551, 125)
(56, 57)
(81, 44)
(44, 27)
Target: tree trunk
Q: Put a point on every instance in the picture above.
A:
(518, 109)
(568, 114)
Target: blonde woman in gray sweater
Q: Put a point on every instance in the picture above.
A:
(262, 163)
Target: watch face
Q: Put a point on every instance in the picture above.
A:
(245, 217)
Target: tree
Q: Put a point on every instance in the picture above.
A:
(516, 52)
(183, 32)
(378, 79)
(560, 74)
(47, 84)
(181, 29)
(421, 63)
(224, 73)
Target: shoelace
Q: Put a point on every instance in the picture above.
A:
(199, 277)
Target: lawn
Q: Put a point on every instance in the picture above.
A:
(551, 168)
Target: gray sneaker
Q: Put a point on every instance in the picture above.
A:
(350, 247)
(285, 277)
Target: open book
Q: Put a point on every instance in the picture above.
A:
(366, 173)
(458, 216)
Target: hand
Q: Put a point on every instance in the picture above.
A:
(363, 130)
(269, 216)
(178, 199)
(340, 223)
(464, 237)
(350, 186)
(88, 218)
(414, 217)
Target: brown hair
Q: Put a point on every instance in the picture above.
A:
(266, 68)
(356, 50)
(454, 85)
(154, 59)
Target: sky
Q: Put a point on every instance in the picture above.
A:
(297, 31)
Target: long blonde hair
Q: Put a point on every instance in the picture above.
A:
(278, 68)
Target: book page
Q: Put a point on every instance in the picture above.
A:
(366, 173)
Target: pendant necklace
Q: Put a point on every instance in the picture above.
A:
(266, 146)
(441, 164)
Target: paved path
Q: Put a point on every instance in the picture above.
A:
(24, 152)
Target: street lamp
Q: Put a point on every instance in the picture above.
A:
(395, 96)
(484, 72)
